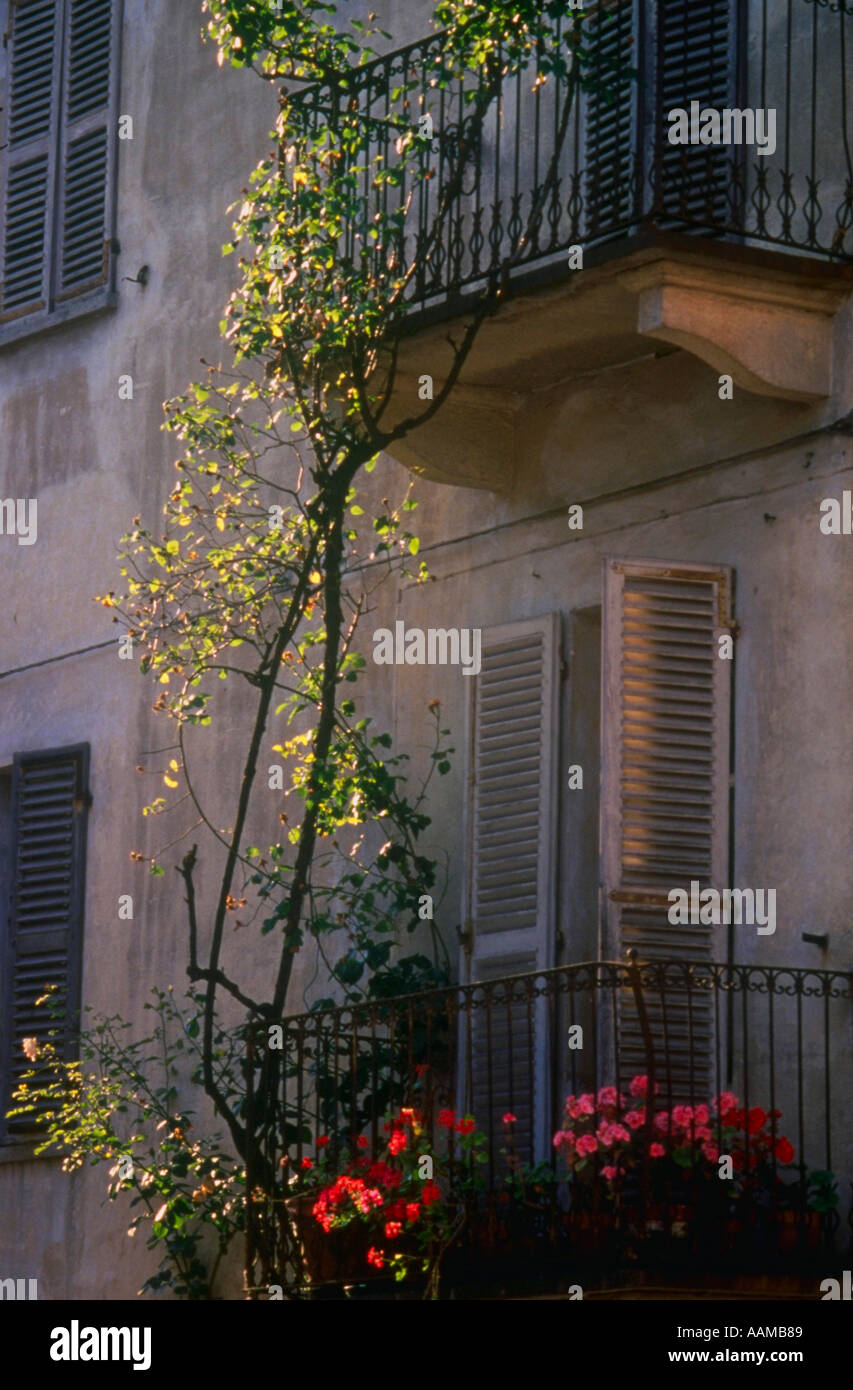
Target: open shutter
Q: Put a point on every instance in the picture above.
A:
(696, 61)
(87, 148)
(611, 171)
(510, 888)
(44, 938)
(665, 789)
(29, 160)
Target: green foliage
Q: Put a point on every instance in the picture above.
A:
(118, 1105)
(267, 558)
(822, 1190)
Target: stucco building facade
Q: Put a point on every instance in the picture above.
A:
(630, 494)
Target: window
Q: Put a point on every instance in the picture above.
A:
(510, 837)
(42, 861)
(679, 51)
(665, 712)
(57, 164)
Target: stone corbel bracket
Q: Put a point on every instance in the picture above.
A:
(471, 441)
(772, 334)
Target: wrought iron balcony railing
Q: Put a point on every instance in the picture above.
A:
(773, 1041)
(617, 175)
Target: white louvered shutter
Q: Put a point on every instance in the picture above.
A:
(510, 885)
(665, 788)
(45, 919)
(29, 160)
(696, 61)
(611, 170)
(87, 134)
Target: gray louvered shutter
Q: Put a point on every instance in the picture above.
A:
(510, 870)
(665, 787)
(697, 61)
(611, 171)
(87, 148)
(45, 922)
(29, 160)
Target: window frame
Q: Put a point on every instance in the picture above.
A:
(13, 1143)
(59, 310)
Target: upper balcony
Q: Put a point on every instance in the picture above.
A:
(739, 251)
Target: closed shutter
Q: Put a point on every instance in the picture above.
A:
(611, 172)
(665, 791)
(697, 61)
(86, 148)
(45, 923)
(510, 888)
(29, 161)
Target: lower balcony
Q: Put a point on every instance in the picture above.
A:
(575, 1132)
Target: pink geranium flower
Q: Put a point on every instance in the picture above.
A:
(587, 1144)
(608, 1098)
(635, 1119)
(639, 1087)
(610, 1172)
(725, 1102)
(657, 1150)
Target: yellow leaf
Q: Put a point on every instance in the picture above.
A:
(170, 781)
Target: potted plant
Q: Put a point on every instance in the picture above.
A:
(397, 1209)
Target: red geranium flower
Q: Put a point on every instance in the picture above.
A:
(413, 1211)
(376, 1257)
(757, 1119)
(431, 1193)
(466, 1126)
(446, 1118)
(306, 1163)
(322, 1141)
(508, 1118)
(398, 1142)
(393, 1229)
(361, 1141)
(784, 1150)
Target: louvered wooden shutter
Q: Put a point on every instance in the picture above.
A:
(697, 61)
(29, 161)
(510, 887)
(611, 171)
(665, 787)
(45, 920)
(86, 148)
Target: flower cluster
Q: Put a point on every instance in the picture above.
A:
(347, 1197)
(609, 1131)
(395, 1193)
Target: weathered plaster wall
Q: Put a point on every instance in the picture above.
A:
(665, 469)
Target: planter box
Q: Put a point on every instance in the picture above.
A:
(336, 1257)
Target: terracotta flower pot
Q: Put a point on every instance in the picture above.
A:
(333, 1257)
(799, 1230)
